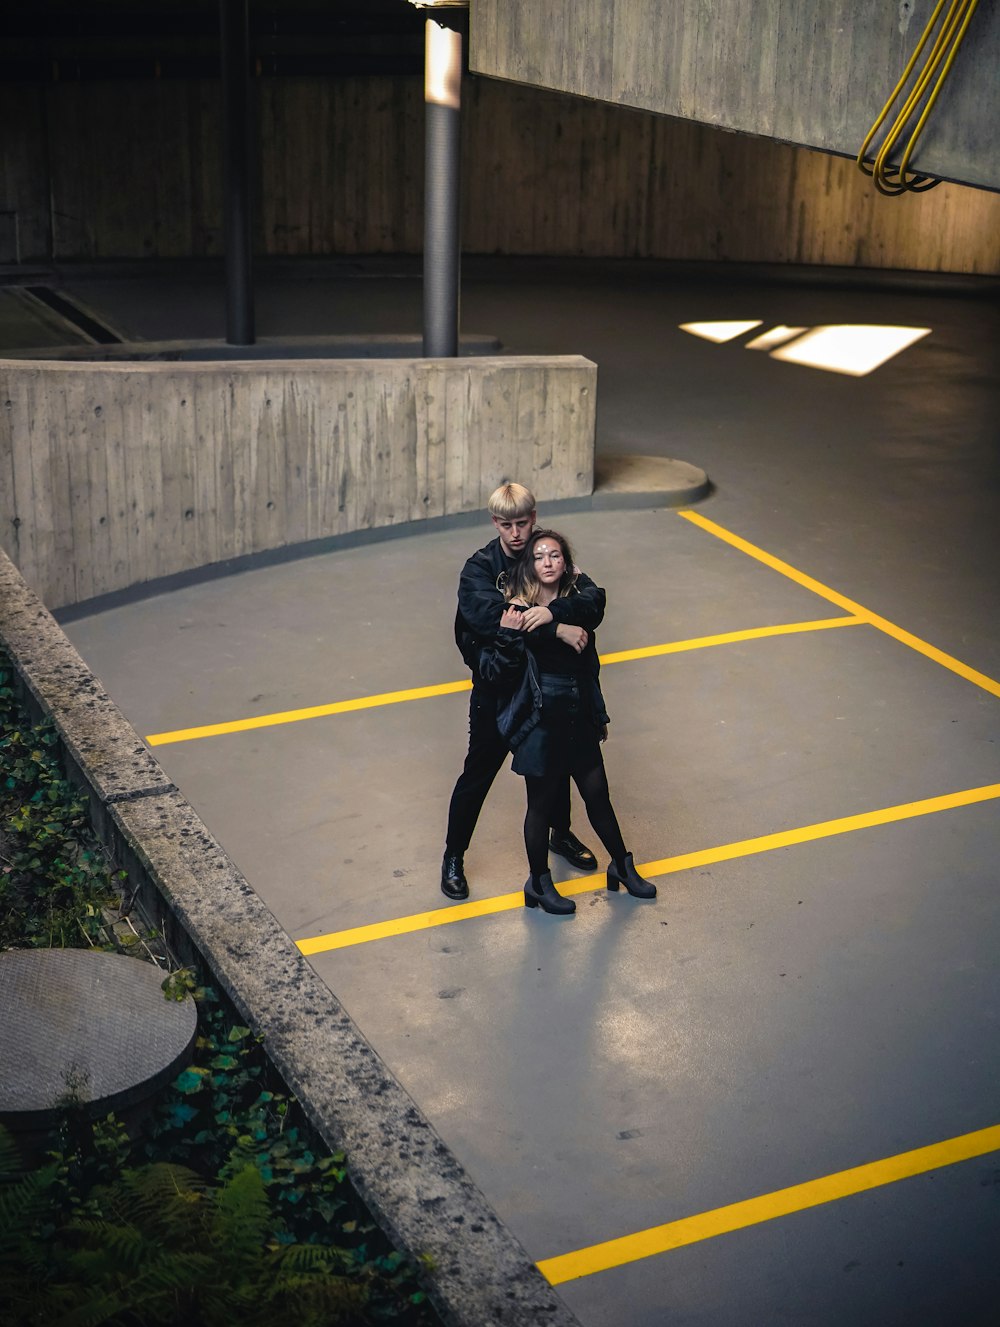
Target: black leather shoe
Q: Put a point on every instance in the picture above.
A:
(540, 892)
(453, 882)
(631, 879)
(569, 847)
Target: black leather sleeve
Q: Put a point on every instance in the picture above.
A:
(585, 608)
(479, 601)
(502, 661)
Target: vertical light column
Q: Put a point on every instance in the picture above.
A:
(234, 32)
(442, 110)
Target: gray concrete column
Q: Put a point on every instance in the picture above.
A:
(234, 31)
(442, 109)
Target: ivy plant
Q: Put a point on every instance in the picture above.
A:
(222, 1206)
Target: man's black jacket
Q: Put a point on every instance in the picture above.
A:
(481, 604)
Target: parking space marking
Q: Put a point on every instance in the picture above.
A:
(450, 688)
(730, 638)
(444, 916)
(753, 1211)
(841, 600)
(312, 712)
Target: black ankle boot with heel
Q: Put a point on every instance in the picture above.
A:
(540, 892)
(624, 873)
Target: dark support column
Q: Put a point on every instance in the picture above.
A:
(238, 137)
(442, 109)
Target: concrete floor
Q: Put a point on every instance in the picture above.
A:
(781, 1013)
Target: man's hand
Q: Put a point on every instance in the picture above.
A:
(574, 637)
(512, 618)
(536, 617)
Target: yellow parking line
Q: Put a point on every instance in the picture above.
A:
(313, 712)
(729, 638)
(752, 1211)
(873, 619)
(444, 916)
(450, 688)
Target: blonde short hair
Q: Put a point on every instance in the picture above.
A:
(510, 501)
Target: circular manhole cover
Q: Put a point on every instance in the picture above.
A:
(85, 1027)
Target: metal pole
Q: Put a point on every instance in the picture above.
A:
(238, 137)
(442, 110)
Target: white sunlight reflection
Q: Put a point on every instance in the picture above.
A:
(774, 337)
(720, 332)
(854, 348)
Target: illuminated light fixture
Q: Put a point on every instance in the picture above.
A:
(775, 337)
(720, 332)
(854, 348)
(443, 66)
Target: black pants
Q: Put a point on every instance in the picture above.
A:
(487, 752)
(565, 743)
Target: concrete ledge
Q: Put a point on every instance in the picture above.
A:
(633, 480)
(118, 473)
(478, 1274)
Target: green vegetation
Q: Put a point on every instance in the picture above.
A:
(54, 879)
(220, 1207)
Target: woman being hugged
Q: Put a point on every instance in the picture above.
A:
(552, 714)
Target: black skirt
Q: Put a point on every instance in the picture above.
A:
(567, 736)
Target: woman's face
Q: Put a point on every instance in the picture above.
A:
(549, 561)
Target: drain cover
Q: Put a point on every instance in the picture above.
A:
(85, 1027)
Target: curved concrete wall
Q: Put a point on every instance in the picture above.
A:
(115, 474)
(341, 171)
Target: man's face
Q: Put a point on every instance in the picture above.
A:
(514, 533)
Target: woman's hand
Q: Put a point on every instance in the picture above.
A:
(512, 618)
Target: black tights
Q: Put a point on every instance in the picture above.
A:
(592, 782)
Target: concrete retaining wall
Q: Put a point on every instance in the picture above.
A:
(113, 475)
(476, 1272)
(342, 158)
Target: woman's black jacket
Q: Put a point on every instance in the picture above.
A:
(509, 663)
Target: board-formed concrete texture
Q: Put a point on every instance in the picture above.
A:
(770, 1095)
(802, 72)
(116, 474)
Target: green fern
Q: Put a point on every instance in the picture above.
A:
(171, 1249)
(242, 1220)
(10, 1155)
(25, 1201)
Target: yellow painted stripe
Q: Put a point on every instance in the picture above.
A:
(313, 712)
(787, 838)
(752, 1211)
(450, 688)
(729, 638)
(841, 600)
(425, 921)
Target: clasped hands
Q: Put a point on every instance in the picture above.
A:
(517, 616)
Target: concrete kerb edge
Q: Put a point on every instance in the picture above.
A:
(474, 1270)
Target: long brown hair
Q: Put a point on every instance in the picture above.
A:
(522, 580)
